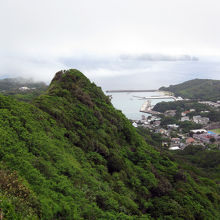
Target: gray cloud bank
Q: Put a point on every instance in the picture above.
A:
(158, 57)
(38, 38)
(144, 71)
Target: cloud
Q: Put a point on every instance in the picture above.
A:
(118, 63)
(157, 57)
(122, 43)
(40, 69)
(113, 72)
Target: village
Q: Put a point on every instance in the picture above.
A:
(173, 134)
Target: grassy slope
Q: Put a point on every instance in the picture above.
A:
(71, 155)
(217, 131)
(204, 89)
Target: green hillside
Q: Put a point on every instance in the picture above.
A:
(71, 155)
(203, 89)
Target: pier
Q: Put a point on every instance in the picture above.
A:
(149, 90)
(147, 108)
(159, 97)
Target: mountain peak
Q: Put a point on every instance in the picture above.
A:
(68, 75)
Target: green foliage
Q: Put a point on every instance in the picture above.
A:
(181, 106)
(71, 155)
(203, 89)
(213, 116)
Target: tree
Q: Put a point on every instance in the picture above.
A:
(212, 140)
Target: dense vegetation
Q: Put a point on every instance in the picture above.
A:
(11, 86)
(205, 162)
(203, 89)
(196, 159)
(71, 155)
(181, 106)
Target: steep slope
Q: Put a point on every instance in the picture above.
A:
(71, 155)
(203, 89)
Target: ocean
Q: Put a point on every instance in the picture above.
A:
(130, 105)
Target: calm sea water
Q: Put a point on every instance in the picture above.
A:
(130, 105)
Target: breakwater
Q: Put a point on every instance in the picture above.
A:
(149, 90)
(147, 108)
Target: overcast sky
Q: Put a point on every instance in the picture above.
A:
(117, 43)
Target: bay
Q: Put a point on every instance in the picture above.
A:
(130, 104)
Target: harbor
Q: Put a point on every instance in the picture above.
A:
(135, 104)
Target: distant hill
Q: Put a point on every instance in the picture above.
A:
(10, 84)
(203, 89)
(21, 88)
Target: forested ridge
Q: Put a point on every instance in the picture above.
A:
(202, 89)
(70, 155)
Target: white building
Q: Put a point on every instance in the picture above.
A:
(174, 148)
(198, 131)
(135, 124)
(200, 120)
(172, 126)
(185, 118)
(24, 88)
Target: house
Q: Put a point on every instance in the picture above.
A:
(179, 98)
(24, 88)
(185, 113)
(170, 113)
(156, 123)
(190, 140)
(154, 118)
(181, 136)
(162, 131)
(205, 111)
(185, 118)
(204, 121)
(175, 141)
(198, 119)
(174, 148)
(135, 124)
(173, 126)
(182, 146)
